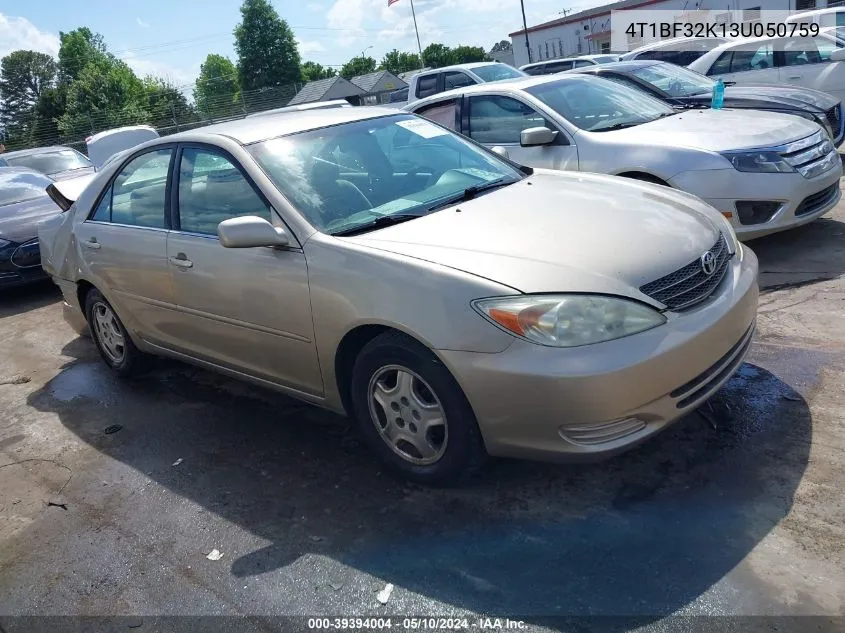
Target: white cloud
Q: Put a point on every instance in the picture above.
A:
(306, 47)
(181, 77)
(142, 24)
(314, 7)
(19, 33)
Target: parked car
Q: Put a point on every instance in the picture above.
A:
(833, 16)
(23, 203)
(809, 62)
(398, 96)
(681, 51)
(317, 105)
(57, 161)
(552, 66)
(684, 88)
(431, 82)
(103, 145)
(364, 260)
(764, 171)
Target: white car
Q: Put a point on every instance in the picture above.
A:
(764, 171)
(811, 62)
(432, 82)
(680, 51)
(834, 16)
(552, 66)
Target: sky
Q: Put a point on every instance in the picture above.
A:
(171, 38)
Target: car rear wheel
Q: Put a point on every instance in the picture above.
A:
(413, 413)
(111, 338)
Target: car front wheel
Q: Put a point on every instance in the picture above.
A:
(413, 413)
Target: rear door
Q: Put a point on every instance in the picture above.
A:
(246, 309)
(498, 121)
(806, 62)
(124, 243)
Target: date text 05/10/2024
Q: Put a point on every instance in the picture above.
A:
(415, 623)
(664, 30)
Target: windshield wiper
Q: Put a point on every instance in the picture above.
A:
(616, 126)
(378, 223)
(470, 192)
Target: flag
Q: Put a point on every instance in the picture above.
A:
(389, 2)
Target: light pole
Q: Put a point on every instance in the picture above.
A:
(364, 52)
(525, 29)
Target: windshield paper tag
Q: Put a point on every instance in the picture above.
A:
(422, 128)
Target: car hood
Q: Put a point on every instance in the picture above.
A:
(788, 97)
(558, 231)
(717, 130)
(18, 221)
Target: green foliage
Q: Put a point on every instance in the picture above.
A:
(312, 71)
(468, 54)
(78, 48)
(216, 93)
(267, 52)
(438, 55)
(166, 106)
(24, 76)
(358, 66)
(48, 110)
(504, 45)
(400, 62)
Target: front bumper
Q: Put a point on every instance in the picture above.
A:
(722, 188)
(20, 264)
(564, 404)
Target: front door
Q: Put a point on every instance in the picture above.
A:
(247, 309)
(498, 121)
(749, 64)
(124, 244)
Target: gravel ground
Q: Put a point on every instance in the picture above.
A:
(736, 512)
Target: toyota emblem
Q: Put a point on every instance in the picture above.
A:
(708, 263)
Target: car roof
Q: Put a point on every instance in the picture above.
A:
(254, 129)
(630, 64)
(467, 66)
(519, 83)
(36, 150)
(673, 41)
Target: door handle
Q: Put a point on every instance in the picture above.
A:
(794, 77)
(92, 243)
(181, 261)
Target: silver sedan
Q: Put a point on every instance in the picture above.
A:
(381, 266)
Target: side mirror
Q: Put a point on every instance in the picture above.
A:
(501, 151)
(249, 232)
(838, 55)
(535, 136)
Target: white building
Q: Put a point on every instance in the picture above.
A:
(588, 32)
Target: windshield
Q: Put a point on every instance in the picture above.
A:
(51, 162)
(351, 175)
(497, 72)
(17, 186)
(674, 80)
(595, 104)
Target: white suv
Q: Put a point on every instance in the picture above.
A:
(432, 82)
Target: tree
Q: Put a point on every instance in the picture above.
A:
(267, 51)
(501, 47)
(437, 55)
(48, 110)
(105, 94)
(468, 54)
(217, 89)
(166, 106)
(78, 48)
(400, 62)
(312, 71)
(358, 66)
(24, 75)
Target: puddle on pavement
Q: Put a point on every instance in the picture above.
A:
(83, 380)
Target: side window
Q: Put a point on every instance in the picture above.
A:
(754, 59)
(136, 197)
(427, 86)
(722, 65)
(212, 189)
(580, 63)
(815, 50)
(621, 79)
(457, 80)
(494, 119)
(442, 113)
(557, 67)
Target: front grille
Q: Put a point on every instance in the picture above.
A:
(721, 370)
(810, 156)
(817, 201)
(690, 285)
(834, 117)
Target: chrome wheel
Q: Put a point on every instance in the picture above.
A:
(108, 332)
(408, 415)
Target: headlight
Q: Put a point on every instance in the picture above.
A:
(723, 224)
(759, 162)
(569, 320)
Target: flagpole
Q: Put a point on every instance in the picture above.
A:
(416, 30)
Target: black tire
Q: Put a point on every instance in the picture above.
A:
(133, 362)
(463, 454)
